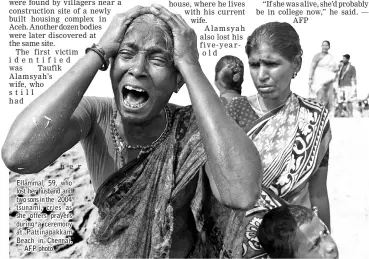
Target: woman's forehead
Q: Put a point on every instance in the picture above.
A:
(264, 51)
(145, 33)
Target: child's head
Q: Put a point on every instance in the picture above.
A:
(233, 80)
(293, 231)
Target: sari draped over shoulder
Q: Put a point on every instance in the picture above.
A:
(135, 204)
(292, 141)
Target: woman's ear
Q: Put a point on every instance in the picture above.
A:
(180, 82)
(297, 62)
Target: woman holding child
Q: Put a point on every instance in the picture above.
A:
(291, 133)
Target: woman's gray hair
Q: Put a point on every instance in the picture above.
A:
(152, 20)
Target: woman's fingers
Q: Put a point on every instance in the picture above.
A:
(135, 12)
(170, 18)
(113, 36)
(182, 20)
(132, 14)
(185, 39)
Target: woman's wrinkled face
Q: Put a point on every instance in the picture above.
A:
(325, 47)
(271, 73)
(143, 75)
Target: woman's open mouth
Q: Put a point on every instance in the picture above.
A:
(134, 97)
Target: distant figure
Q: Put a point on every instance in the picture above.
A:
(363, 105)
(347, 90)
(322, 75)
(294, 231)
(229, 78)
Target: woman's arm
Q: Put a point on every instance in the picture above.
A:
(314, 64)
(319, 193)
(233, 162)
(46, 128)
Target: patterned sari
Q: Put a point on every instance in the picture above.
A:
(292, 141)
(136, 203)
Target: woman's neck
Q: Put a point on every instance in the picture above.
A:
(142, 133)
(229, 94)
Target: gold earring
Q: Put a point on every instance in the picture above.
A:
(294, 74)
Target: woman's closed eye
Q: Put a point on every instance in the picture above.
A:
(271, 64)
(126, 54)
(316, 244)
(159, 60)
(254, 64)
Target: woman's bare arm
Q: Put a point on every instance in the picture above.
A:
(319, 194)
(46, 128)
(314, 64)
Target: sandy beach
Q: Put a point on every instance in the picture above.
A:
(347, 185)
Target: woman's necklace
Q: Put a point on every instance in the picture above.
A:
(261, 110)
(121, 145)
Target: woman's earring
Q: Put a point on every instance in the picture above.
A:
(315, 210)
(294, 74)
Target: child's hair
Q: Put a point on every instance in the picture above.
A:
(277, 231)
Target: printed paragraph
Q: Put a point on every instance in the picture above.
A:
(43, 211)
(214, 36)
(303, 11)
(36, 30)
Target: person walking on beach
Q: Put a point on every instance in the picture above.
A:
(322, 75)
(347, 86)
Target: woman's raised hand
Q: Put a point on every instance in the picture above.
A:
(185, 39)
(114, 35)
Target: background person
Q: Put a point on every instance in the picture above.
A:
(146, 158)
(322, 75)
(347, 86)
(229, 78)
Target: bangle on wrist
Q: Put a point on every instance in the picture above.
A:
(101, 52)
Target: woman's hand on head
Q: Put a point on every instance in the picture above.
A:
(185, 39)
(114, 35)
